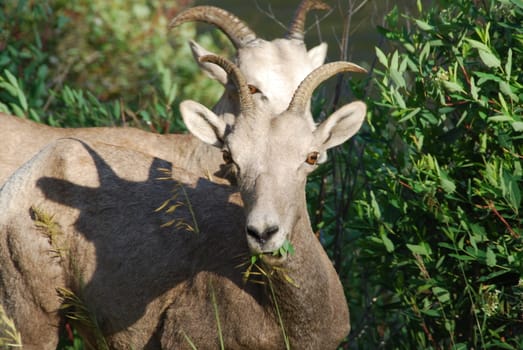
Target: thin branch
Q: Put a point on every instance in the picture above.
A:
(317, 21)
(270, 14)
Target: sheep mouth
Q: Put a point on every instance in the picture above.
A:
(273, 258)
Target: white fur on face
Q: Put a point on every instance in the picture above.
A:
(276, 68)
(272, 174)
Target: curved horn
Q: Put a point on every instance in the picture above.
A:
(235, 29)
(303, 93)
(297, 27)
(237, 77)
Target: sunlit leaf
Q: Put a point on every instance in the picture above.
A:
(489, 59)
(424, 25)
(421, 249)
(381, 57)
(389, 246)
(491, 257)
(442, 294)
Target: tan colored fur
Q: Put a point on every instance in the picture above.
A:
(21, 139)
(151, 287)
(275, 67)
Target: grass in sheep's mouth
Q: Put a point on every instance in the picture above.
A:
(262, 267)
(260, 271)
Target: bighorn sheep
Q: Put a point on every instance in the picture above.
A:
(21, 139)
(85, 218)
(276, 68)
(273, 69)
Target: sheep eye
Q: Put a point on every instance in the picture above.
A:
(253, 89)
(312, 158)
(227, 157)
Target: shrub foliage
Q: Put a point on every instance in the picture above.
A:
(87, 63)
(434, 254)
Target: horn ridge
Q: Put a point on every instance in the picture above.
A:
(297, 27)
(236, 30)
(234, 73)
(304, 91)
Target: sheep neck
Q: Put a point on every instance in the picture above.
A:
(307, 291)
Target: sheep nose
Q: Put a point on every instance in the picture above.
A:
(262, 236)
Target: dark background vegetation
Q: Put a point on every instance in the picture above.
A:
(420, 212)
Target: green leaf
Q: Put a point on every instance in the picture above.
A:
(4, 108)
(16, 91)
(375, 206)
(424, 53)
(463, 257)
(431, 313)
(504, 104)
(421, 249)
(394, 61)
(510, 189)
(387, 242)
(478, 231)
(382, 58)
(424, 25)
(508, 65)
(477, 44)
(442, 294)
(397, 78)
(452, 86)
(501, 118)
(410, 115)
(446, 245)
(254, 259)
(483, 77)
(507, 90)
(16, 110)
(485, 53)
(446, 182)
(517, 126)
(289, 248)
(399, 99)
(172, 93)
(491, 257)
(489, 59)
(8, 87)
(518, 3)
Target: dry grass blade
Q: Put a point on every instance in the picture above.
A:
(286, 249)
(266, 278)
(46, 224)
(189, 341)
(172, 204)
(9, 336)
(76, 310)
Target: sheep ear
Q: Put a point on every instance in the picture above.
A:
(340, 126)
(318, 54)
(203, 123)
(212, 70)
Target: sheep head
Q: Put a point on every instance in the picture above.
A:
(272, 154)
(272, 69)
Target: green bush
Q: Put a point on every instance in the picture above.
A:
(84, 63)
(433, 256)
